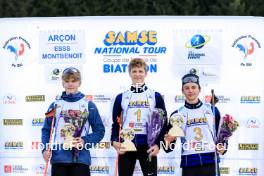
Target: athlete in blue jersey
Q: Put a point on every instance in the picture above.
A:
(200, 123)
(71, 116)
(134, 107)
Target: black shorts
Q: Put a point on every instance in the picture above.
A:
(205, 170)
(127, 161)
(70, 169)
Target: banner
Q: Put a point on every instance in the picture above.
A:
(226, 52)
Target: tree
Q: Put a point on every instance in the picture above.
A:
(48, 8)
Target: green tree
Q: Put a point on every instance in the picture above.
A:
(49, 8)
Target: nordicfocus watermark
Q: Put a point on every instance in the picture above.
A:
(194, 146)
(61, 146)
(187, 146)
(139, 87)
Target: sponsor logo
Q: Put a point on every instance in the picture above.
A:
(250, 99)
(253, 123)
(223, 99)
(220, 99)
(18, 47)
(33, 98)
(37, 121)
(197, 42)
(248, 171)
(201, 120)
(89, 97)
(99, 169)
(19, 169)
(14, 145)
(138, 104)
(179, 99)
(55, 74)
(98, 98)
(166, 169)
(62, 46)
(117, 45)
(9, 99)
(224, 170)
(248, 146)
(130, 39)
(7, 169)
(209, 74)
(8, 122)
(246, 45)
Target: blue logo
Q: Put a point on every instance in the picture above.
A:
(9, 99)
(197, 41)
(253, 123)
(37, 121)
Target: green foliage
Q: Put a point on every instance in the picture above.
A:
(49, 8)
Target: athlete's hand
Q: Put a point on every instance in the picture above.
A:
(117, 146)
(168, 139)
(153, 151)
(78, 143)
(220, 148)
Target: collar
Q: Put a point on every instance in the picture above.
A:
(138, 89)
(72, 97)
(193, 106)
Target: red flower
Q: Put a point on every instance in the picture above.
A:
(228, 126)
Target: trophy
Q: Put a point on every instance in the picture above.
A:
(67, 132)
(128, 135)
(176, 121)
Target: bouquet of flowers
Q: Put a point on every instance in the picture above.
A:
(228, 126)
(154, 125)
(76, 120)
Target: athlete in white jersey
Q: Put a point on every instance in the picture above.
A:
(135, 106)
(200, 124)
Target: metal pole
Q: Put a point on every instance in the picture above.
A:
(215, 136)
